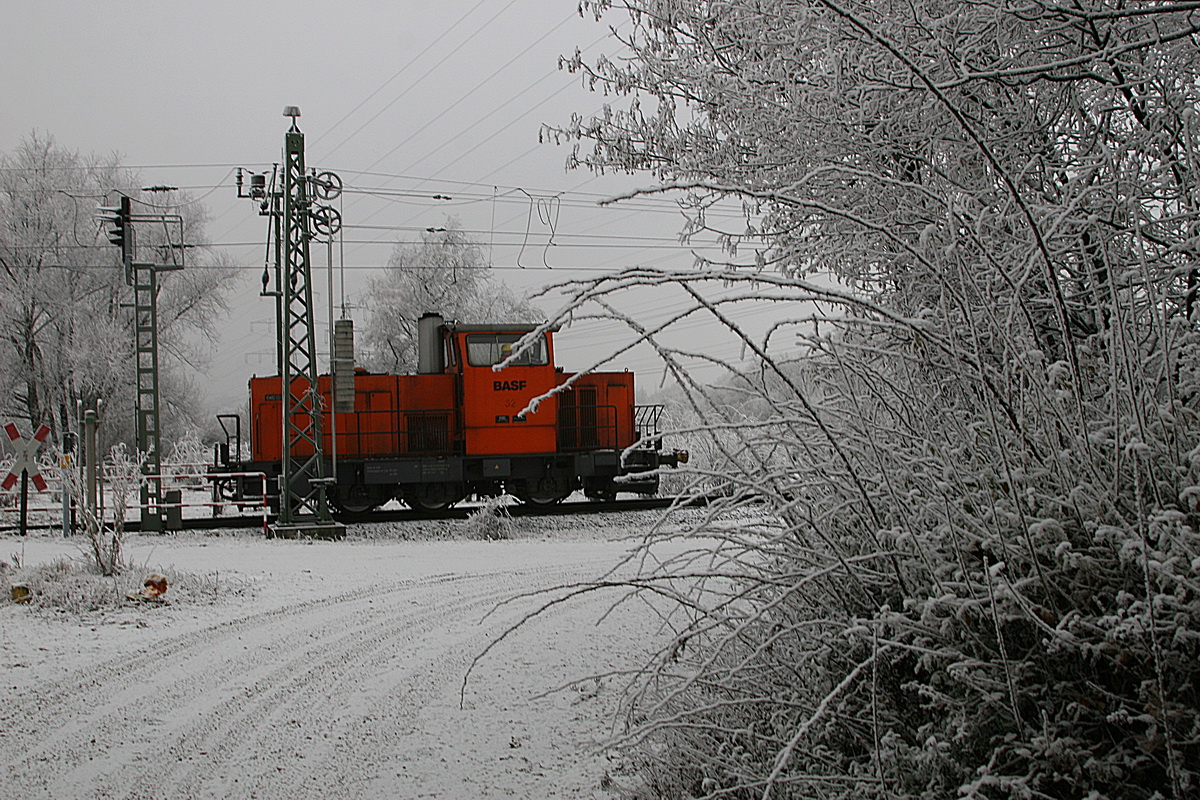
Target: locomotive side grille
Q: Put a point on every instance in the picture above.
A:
(428, 432)
(577, 423)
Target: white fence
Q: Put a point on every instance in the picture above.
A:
(197, 499)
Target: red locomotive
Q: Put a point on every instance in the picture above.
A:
(458, 428)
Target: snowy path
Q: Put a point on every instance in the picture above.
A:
(307, 692)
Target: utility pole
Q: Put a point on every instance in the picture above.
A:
(303, 503)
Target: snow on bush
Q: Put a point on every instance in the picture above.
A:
(76, 587)
(974, 457)
(104, 529)
(490, 521)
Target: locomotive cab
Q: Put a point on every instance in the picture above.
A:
(494, 398)
(501, 369)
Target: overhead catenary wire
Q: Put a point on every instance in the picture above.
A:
(429, 123)
(503, 106)
(414, 60)
(223, 183)
(429, 72)
(569, 198)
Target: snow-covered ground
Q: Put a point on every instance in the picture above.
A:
(337, 674)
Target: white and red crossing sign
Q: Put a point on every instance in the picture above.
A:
(26, 460)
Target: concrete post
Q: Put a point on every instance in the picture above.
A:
(90, 455)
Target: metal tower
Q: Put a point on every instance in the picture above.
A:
(303, 506)
(149, 443)
(143, 277)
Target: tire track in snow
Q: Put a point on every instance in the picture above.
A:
(256, 705)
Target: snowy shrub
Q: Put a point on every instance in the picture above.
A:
(75, 586)
(120, 476)
(188, 459)
(954, 544)
(490, 521)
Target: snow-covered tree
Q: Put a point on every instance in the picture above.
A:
(976, 575)
(446, 273)
(67, 331)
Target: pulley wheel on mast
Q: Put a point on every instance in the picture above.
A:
(327, 185)
(326, 220)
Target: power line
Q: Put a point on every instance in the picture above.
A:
(427, 73)
(383, 85)
(500, 107)
(569, 197)
(556, 235)
(120, 166)
(478, 86)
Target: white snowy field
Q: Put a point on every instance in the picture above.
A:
(337, 673)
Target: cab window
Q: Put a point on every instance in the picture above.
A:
(486, 349)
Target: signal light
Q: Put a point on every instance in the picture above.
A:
(116, 234)
(118, 218)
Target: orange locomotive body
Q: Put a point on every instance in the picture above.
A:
(465, 425)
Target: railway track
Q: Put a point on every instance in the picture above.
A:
(459, 512)
(400, 515)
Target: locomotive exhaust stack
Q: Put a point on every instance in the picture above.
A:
(430, 351)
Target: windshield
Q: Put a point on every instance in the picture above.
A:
(486, 349)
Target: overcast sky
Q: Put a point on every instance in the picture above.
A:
(404, 99)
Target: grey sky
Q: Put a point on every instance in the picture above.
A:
(418, 98)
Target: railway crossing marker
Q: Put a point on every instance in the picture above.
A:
(26, 461)
(25, 466)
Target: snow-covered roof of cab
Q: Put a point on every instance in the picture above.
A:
(525, 327)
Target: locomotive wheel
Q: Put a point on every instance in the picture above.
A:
(542, 494)
(431, 497)
(351, 507)
(359, 499)
(542, 501)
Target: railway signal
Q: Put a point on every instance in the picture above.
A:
(120, 233)
(143, 277)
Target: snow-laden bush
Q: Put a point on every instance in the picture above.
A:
(188, 460)
(76, 587)
(972, 456)
(104, 529)
(938, 597)
(490, 521)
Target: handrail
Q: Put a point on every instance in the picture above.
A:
(260, 503)
(603, 431)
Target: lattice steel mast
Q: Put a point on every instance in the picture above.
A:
(143, 277)
(302, 489)
(303, 504)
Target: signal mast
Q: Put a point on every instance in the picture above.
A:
(303, 503)
(143, 277)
